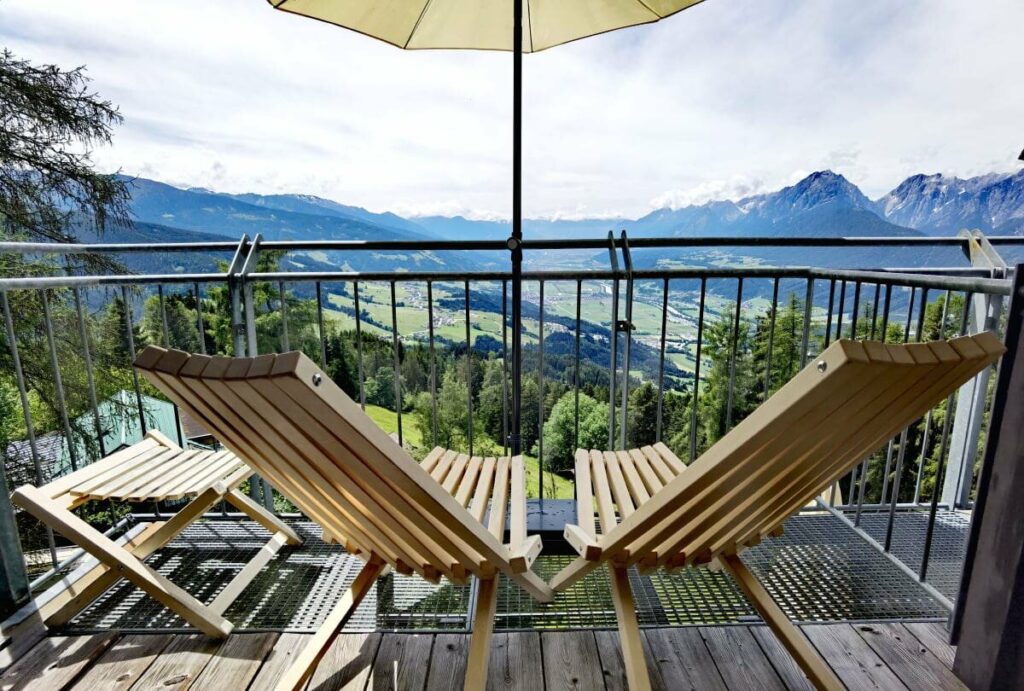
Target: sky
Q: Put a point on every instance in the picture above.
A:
(726, 99)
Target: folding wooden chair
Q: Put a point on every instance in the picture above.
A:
(316, 446)
(655, 512)
(155, 469)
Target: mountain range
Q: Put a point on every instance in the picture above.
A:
(824, 204)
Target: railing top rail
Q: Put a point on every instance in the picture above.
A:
(535, 244)
(942, 278)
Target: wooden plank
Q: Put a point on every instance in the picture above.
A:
(123, 663)
(612, 666)
(162, 474)
(571, 660)
(934, 637)
(448, 662)
(431, 459)
(454, 475)
(482, 494)
(643, 466)
(629, 631)
(248, 572)
(306, 661)
(478, 657)
(683, 659)
(261, 515)
(236, 663)
(109, 552)
(852, 659)
(440, 471)
(521, 556)
(281, 657)
(180, 663)
(620, 492)
(664, 472)
(54, 662)
(584, 493)
(792, 639)
(673, 462)
(517, 503)
(740, 660)
(912, 662)
(781, 661)
(516, 663)
(582, 542)
(499, 499)
(602, 492)
(347, 663)
(637, 487)
(64, 483)
(402, 662)
(468, 482)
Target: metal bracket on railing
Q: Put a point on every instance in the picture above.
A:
(613, 259)
(237, 327)
(250, 311)
(981, 253)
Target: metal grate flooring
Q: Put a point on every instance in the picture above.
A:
(820, 570)
(949, 542)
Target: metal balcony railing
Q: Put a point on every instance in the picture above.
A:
(685, 332)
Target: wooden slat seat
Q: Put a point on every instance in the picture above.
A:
(655, 512)
(318, 448)
(155, 469)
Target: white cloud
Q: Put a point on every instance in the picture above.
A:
(721, 98)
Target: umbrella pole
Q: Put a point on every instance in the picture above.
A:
(515, 241)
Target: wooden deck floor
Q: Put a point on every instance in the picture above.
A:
(875, 656)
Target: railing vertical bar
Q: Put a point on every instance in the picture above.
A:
(359, 346)
(167, 344)
(540, 396)
(828, 319)
(661, 357)
(576, 367)
(841, 310)
(696, 370)
(771, 339)
(732, 354)
(130, 329)
(808, 313)
(90, 379)
(874, 311)
(504, 367)
(165, 331)
(58, 380)
(469, 371)
(200, 326)
(433, 361)
(928, 419)
(856, 309)
(320, 324)
(397, 362)
(943, 450)
(26, 411)
(285, 340)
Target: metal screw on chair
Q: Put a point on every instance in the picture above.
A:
(317, 379)
(822, 365)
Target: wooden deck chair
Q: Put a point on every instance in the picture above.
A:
(655, 512)
(316, 446)
(155, 469)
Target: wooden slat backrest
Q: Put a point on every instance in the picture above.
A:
(829, 417)
(319, 448)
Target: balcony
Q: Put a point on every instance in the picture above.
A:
(612, 356)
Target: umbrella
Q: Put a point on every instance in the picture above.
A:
(490, 25)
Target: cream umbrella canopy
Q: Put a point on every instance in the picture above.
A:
(520, 26)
